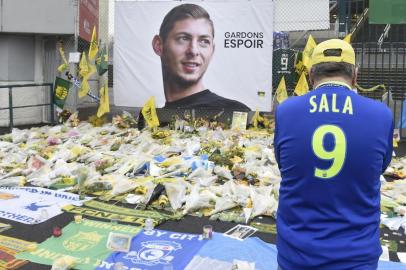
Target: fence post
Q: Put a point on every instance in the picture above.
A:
(341, 19)
(10, 107)
(51, 92)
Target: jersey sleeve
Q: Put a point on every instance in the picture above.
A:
(276, 138)
(388, 155)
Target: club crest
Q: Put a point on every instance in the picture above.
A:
(153, 253)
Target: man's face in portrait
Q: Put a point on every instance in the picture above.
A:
(187, 51)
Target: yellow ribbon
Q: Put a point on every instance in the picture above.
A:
(370, 89)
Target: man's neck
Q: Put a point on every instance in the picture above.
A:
(339, 80)
(175, 92)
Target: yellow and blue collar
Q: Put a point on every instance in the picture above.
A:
(333, 83)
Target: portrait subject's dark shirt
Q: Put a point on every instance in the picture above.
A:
(207, 99)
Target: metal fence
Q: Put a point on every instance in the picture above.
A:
(380, 53)
(12, 107)
(384, 64)
(76, 43)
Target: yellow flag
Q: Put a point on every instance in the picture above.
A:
(395, 143)
(281, 93)
(92, 69)
(94, 46)
(149, 113)
(83, 66)
(396, 138)
(62, 53)
(302, 87)
(299, 67)
(257, 118)
(347, 38)
(62, 67)
(84, 86)
(308, 51)
(104, 105)
(65, 64)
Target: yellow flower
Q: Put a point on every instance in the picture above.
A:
(236, 159)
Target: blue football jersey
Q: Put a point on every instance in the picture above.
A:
(331, 146)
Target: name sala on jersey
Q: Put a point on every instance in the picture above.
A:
(324, 105)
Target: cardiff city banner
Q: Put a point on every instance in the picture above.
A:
(155, 249)
(235, 64)
(33, 205)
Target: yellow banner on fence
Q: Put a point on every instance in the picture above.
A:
(370, 89)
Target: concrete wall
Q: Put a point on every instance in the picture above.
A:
(38, 16)
(26, 55)
(3, 59)
(23, 65)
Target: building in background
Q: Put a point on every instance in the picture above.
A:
(30, 33)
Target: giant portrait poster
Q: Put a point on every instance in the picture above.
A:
(240, 66)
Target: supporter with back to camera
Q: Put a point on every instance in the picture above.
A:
(331, 146)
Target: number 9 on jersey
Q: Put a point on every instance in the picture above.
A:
(337, 154)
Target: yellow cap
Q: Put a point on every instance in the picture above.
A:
(333, 50)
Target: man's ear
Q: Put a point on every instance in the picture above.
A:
(311, 79)
(157, 45)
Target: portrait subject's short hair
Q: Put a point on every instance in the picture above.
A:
(182, 12)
